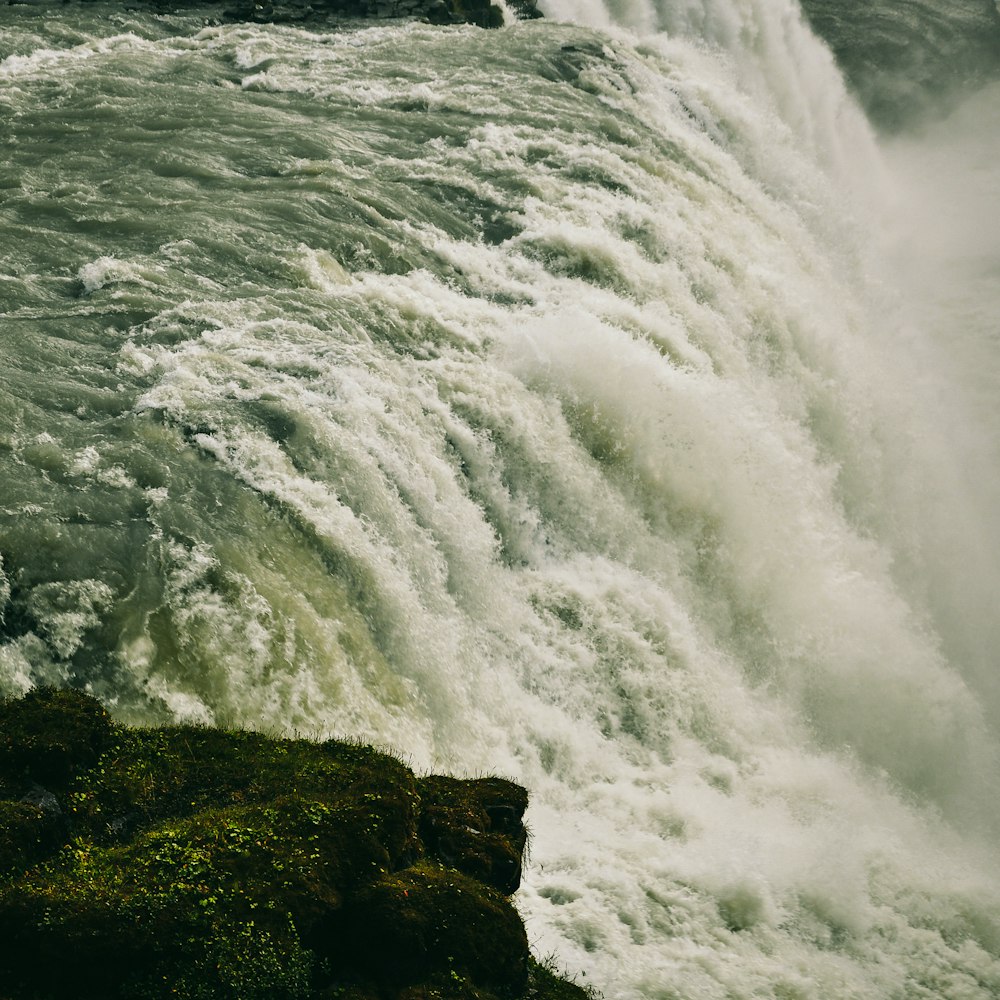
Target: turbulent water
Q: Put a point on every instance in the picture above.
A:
(597, 403)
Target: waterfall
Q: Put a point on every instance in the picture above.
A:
(585, 401)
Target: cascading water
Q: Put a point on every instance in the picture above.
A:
(574, 401)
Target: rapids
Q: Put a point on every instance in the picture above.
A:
(598, 401)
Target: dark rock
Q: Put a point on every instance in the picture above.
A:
(444, 12)
(526, 10)
(477, 12)
(189, 863)
(476, 827)
(43, 800)
(438, 12)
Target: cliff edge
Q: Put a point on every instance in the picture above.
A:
(202, 864)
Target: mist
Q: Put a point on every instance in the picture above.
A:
(941, 260)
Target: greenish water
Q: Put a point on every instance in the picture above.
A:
(580, 402)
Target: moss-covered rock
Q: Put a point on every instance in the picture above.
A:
(49, 736)
(194, 863)
(428, 923)
(476, 826)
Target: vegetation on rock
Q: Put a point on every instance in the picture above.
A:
(202, 864)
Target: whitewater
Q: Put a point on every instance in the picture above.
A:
(599, 401)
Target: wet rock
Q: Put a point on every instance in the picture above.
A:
(438, 12)
(526, 10)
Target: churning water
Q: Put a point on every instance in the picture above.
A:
(599, 403)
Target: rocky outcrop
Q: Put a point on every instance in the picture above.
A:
(480, 12)
(484, 13)
(202, 864)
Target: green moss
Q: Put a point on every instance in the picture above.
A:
(27, 835)
(150, 774)
(49, 736)
(200, 864)
(476, 826)
(89, 932)
(545, 984)
(436, 923)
